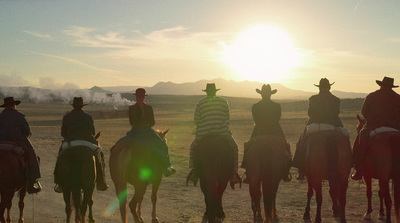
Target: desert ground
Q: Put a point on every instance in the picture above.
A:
(177, 202)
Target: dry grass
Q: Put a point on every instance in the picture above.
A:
(177, 203)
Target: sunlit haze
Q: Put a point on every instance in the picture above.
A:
(81, 44)
(262, 53)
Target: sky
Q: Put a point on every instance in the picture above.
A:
(80, 44)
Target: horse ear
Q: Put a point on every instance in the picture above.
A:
(97, 135)
(359, 118)
(165, 132)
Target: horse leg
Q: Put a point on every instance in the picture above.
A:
(6, 199)
(318, 197)
(310, 193)
(381, 214)
(222, 184)
(68, 206)
(154, 202)
(334, 197)
(269, 191)
(134, 205)
(396, 195)
(21, 204)
(90, 204)
(368, 183)
(384, 192)
(343, 200)
(77, 200)
(87, 198)
(255, 193)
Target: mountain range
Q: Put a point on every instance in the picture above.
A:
(246, 89)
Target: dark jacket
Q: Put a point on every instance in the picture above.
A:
(78, 125)
(14, 127)
(382, 108)
(324, 108)
(266, 115)
(139, 118)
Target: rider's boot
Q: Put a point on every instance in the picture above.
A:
(33, 186)
(169, 171)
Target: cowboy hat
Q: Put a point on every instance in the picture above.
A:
(8, 101)
(78, 101)
(211, 88)
(140, 92)
(324, 83)
(387, 81)
(266, 89)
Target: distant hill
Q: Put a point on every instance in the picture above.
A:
(231, 88)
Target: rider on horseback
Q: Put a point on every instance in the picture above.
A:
(323, 108)
(381, 109)
(212, 117)
(14, 128)
(266, 115)
(78, 125)
(141, 118)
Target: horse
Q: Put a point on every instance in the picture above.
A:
(378, 164)
(214, 164)
(77, 166)
(328, 158)
(134, 163)
(12, 178)
(265, 167)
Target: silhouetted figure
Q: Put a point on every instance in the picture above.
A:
(381, 109)
(323, 108)
(266, 116)
(78, 125)
(141, 118)
(212, 118)
(14, 128)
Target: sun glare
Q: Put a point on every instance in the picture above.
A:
(262, 53)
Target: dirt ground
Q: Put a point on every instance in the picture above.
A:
(176, 201)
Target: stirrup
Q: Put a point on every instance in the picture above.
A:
(58, 188)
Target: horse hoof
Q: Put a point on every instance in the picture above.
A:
(204, 220)
(381, 216)
(367, 217)
(154, 220)
(318, 220)
(306, 216)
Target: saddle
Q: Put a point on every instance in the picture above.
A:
(75, 143)
(11, 146)
(15, 148)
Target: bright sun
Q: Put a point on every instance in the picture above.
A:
(262, 53)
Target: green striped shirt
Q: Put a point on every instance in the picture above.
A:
(212, 116)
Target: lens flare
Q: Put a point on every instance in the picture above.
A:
(145, 174)
(115, 204)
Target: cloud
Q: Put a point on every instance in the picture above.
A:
(13, 80)
(177, 43)
(50, 83)
(74, 61)
(39, 35)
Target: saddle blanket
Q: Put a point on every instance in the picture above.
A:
(381, 130)
(74, 143)
(314, 127)
(9, 147)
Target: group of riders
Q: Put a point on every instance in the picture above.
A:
(212, 117)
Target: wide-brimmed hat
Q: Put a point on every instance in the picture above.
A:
(266, 89)
(211, 88)
(387, 81)
(140, 92)
(8, 101)
(78, 101)
(324, 83)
